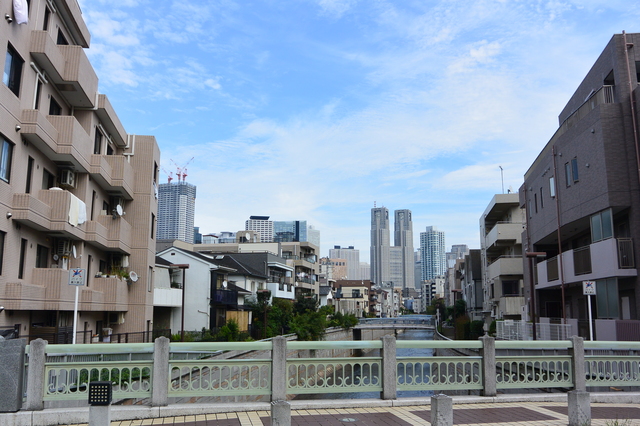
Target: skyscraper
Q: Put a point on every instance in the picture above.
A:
(289, 230)
(403, 239)
(392, 263)
(380, 245)
(352, 256)
(432, 253)
(176, 211)
(260, 224)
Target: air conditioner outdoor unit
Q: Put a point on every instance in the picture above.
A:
(68, 178)
(63, 248)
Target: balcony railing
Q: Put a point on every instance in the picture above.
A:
(225, 297)
(625, 253)
(552, 269)
(582, 260)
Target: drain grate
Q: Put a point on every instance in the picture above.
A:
(348, 420)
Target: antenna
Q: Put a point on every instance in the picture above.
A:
(502, 178)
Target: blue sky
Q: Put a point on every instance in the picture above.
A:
(316, 109)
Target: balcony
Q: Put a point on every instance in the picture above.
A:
(505, 265)
(115, 293)
(110, 121)
(504, 234)
(59, 295)
(282, 290)
(60, 137)
(511, 305)
(67, 67)
(613, 257)
(171, 297)
(109, 233)
(113, 173)
(48, 212)
(70, 11)
(225, 297)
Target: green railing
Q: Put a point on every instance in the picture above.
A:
(289, 368)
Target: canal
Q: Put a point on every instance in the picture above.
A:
(401, 352)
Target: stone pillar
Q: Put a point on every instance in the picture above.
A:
(279, 369)
(280, 413)
(488, 353)
(577, 363)
(11, 374)
(579, 408)
(100, 415)
(161, 373)
(441, 410)
(35, 375)
(389, 368)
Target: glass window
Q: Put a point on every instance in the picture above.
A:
(607, 298)
(97, 144)
(552, 186)
(601, 226)
(54, 107)
(2, 234)
(42, 256)
(6, 152)
(567, 174)
(12, 70)
(574, 169)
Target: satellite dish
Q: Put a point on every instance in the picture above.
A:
(224, 283)
(73, 251)
(247, 236)
(133, 276)
(119, 210)
(56, 257)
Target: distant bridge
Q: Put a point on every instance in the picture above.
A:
(414, 322)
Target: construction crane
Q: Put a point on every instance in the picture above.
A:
(181, 172)
(169, 174)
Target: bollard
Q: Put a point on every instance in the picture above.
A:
(441, 410)
(100, 402)
(579, 408)
(280, 413)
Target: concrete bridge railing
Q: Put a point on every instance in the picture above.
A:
(163, 370)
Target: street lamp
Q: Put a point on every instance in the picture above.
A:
(531, 255)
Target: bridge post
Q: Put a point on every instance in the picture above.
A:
(161, 373)
(389, 368)
(441, 410)
(279, 369)
(36, 376)
(488, 353)
(579, 408)
(11, 374)
(577, 363)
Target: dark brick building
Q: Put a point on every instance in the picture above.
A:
(583, 189)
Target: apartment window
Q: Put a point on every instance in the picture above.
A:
(150, 279)
(42, 256)
(567, 173)
(23, 255)
(61, 38)
(48, 179)
(54, 107)
(607, 298)
(601, 226)
(574, 170)
(47, 16)
(6, 152)
(153, 225)
(2, 234)
(541, 198)
(36, 100)
(13, 70)
(535, 202)
(27, 189)
(89, 262)
(97, 144)
(552, 186)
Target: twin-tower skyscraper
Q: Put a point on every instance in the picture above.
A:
(392, 265)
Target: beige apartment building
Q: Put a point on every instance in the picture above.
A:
(76, 191)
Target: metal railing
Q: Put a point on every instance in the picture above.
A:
(552, 269)
(522, 330)
(625, 253)
(582, 260)
(278, 367)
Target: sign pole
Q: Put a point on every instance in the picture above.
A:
(590, 320)
(76, 278)
(589, 289)
(75, 315)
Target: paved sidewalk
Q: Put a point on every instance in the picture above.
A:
(607, 409)
(502, 414)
